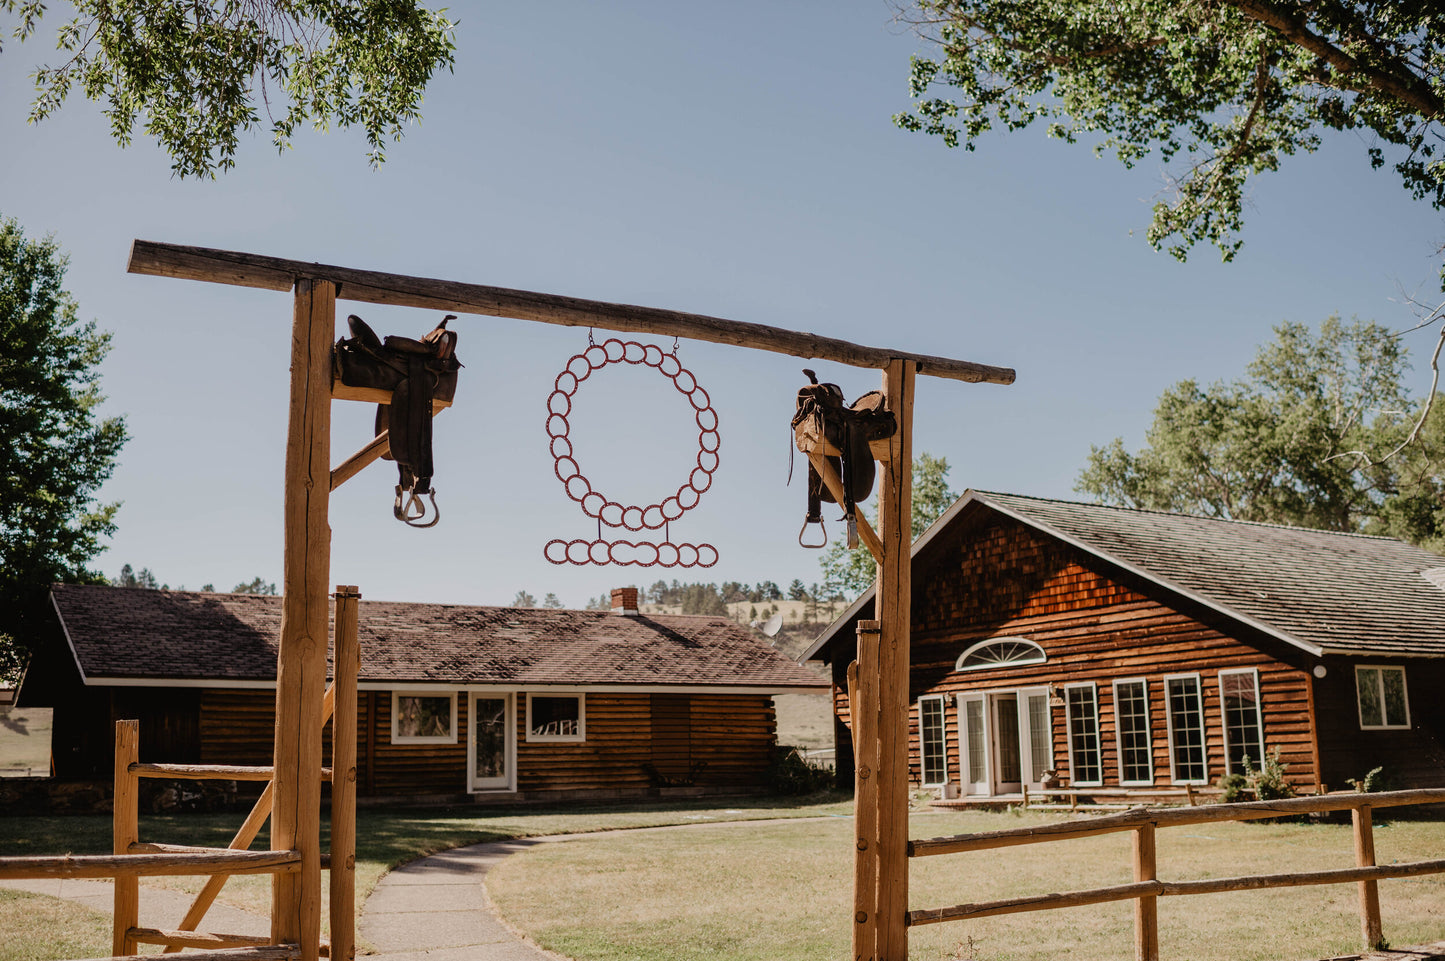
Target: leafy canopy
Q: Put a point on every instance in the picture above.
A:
(57, 449)
(849, 573)
(192, 72)
(1220, 90)
(1308, 438)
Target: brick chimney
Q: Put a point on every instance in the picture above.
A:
(624, 601)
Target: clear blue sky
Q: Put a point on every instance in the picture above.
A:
(736, 160)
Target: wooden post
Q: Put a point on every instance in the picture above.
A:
(894, 599)
(125, 819)
(301, 660)
(343, 779)
(863, 707)
(1370, 925)
(1146, 907)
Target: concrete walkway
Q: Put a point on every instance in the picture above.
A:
(437, 908)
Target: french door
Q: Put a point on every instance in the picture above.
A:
(492, 743)
(1005, 739)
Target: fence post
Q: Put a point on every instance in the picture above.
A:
(1369, 890)
(1146, 907)
(863, 706)
(343, 777)
(125, 820)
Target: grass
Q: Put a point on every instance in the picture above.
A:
(775, 891)
(386, 838)
(24, 741)
(41, 927)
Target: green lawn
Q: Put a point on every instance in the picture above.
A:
(784, 891)
(39, 927)
(386, 837)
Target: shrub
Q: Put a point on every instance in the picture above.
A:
(1234, 787)
(1374, 780)
(792, 773)
(1268, 783)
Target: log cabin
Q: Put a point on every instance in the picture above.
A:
(1114, 648)
(495, 703)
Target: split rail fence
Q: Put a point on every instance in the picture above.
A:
(1147, 888)
(133, 859)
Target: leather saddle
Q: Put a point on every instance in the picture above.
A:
(416, 372)
(822, 417)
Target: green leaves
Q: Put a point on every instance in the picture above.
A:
(191, 74)
(1219, 92)
(850, 573)
(1302, 440)
(57, 452)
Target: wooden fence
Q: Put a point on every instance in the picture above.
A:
(1147, 888)
(132, 858)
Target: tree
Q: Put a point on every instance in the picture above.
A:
(1224, 90)
(145, 579)
(255, 586)
(797, 590)
(523, 599)
(849, 573)
(551, 601)
(192, 73)
(1313, 437)
(57, 449)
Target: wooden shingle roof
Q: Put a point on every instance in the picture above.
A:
(1325, 592)
(183, 636)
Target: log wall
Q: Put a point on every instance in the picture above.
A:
(733, 734)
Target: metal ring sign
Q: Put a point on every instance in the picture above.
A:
(631, 517)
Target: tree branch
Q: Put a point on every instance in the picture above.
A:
(1412, 92)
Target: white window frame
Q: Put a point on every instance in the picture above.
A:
(1042, 657)
(398, 738)
(581, 734)
(943, 719)
(1148, 732)
(965, 757)
(1198, 680)
(1098, 733)
(1258, 717)
(1404, 684)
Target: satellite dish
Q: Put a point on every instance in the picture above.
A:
(773, 625)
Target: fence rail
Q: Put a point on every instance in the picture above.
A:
(1147, 888)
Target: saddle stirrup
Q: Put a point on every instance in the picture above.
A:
(410, 510)
(804, 530)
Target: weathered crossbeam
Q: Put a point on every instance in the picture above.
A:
(374, 287)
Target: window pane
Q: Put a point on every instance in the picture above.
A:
(1132, 708)
(490, 721)
(931, 738)
(1241, 720)
(1041, 748)
(1010, 766)
(1367, 682)
(556, 716)
(1084, 736)
(423, 716)
(1186, 719)
(1395, 713)
(973, 722)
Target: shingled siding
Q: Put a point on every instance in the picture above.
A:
(1005, 580)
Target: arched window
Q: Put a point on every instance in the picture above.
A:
(1001, 652)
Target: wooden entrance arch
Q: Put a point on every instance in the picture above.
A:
(878, 680)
